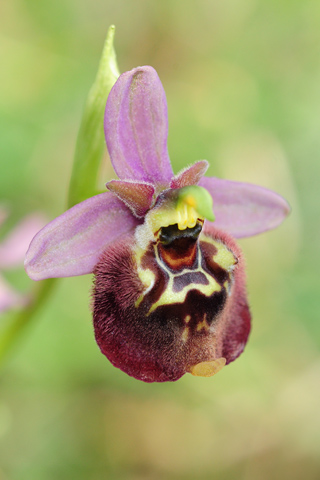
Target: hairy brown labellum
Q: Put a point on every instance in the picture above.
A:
(177, 306)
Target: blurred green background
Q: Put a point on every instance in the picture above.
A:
(242, 79)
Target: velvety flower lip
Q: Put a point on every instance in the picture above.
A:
(12, 252)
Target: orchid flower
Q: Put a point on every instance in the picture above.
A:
(169, 292)
(12, 252)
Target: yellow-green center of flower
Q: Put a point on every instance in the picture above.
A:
(183, 207)
(193, 203)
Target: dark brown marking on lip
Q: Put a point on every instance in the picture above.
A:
(172, 232)
(180, 254)
(196, 305)
(195, 278)
(149, 261)
(178, 248)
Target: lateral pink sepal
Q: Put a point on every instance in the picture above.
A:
(138, 196)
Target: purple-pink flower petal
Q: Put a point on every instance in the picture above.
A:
(136, 195)
(136, 127)
(243, 209)
(14, 246)
(190, 175)
(72, 243)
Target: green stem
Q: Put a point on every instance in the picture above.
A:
(89, 150)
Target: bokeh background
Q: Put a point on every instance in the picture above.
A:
(242, 79)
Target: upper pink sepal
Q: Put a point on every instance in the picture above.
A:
(136, 127)
(138, 196)
(72, 243)
(243, 209)
(190, 175)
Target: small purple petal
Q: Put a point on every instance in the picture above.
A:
(137, 196)
(190, 175)
(72, 243)
(243, 209)
(136, 127)
(9, 298)
(14, 247)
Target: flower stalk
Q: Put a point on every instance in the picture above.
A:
(89, 150)
(90, 142)
(12, 329)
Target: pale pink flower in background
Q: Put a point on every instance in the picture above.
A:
(12, 252)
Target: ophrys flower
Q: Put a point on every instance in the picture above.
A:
(169, 292)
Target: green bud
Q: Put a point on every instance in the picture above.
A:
(90, 142)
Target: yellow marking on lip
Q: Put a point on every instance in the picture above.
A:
(208, 369)
(185, 334)
(169, 296)
(137, 302)
(224, 257)
(187, 318)
(203, 325)
(146, 276)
